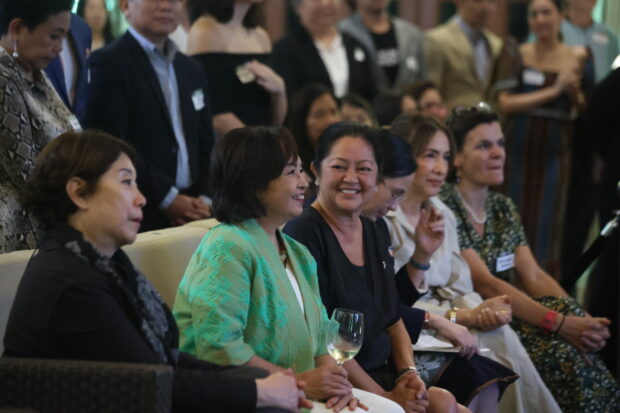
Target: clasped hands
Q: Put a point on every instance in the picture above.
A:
(410, 393)
(330, 383)
(587, 334)
(184, 209)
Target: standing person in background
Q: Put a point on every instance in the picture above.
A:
(317, 51)
(179, 36)
(461, 55)
(234, 52)
(68, 72)
(540, 98)
(31, 36)
(95, 13)
(579, 29)
(395, 45)
(146, 92)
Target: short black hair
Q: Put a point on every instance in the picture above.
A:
(222, 11)
(243, 162)
(398, 160)
(464, 119)
(107, 29)
(86, 155)
(32, 12)
(339, 130)
(301, 103)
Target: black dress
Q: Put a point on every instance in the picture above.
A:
(248, 101)
(66, 308)
(371, 290)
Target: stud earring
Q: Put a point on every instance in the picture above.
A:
(316, 181)
(15, 54)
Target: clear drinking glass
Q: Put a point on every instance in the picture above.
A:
(345, 335)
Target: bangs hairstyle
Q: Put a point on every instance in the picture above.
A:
(32, 12)
(243, 163)
(222, 11)
(86, 155)
(347, 129)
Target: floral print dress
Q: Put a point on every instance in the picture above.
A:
(577, 387)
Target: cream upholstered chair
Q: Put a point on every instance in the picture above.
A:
(161, 255)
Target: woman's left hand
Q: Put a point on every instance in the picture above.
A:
(429, 233)
(348, 400)
(266, 77)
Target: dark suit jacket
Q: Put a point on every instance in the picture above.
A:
(126, 100)
(297, 60)
(65, 308)
(80, 38)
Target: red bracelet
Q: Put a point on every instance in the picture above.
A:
(548, 321)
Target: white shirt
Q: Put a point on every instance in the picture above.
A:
(295, 285)
(69, 63)
(335, 60)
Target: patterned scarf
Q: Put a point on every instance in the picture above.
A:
(146, 302)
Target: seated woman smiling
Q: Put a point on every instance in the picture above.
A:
(249, 295)
(81, 298)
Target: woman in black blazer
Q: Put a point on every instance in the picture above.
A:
(81, 298)
(318, 52)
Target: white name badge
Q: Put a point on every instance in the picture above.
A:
(533, 77)
(412, 63)
(505, 262)
(359, 55)
(75, 124)
(600, 38)
(198, 97)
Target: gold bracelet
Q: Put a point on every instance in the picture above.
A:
(452, 314)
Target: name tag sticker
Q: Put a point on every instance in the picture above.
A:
(198, 97)
(505, 262)
(600, 38)
(533, 77)
(75, 124)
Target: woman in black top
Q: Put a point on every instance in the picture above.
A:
(354, 267)
(81, 298)
(317, 51)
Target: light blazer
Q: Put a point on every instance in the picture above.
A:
(235, 300)
(410, 43)
(80, 37)
(126, 100)
(450, 64)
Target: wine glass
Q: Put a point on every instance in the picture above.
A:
(345, 335)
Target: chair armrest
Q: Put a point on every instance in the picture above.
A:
(71, 386)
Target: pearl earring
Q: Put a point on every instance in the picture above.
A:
(15, 54)
(316, 181)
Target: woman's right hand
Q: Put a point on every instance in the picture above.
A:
(281, 390)
(325, 382)
(409, 395)
(567, 81)
(492, 313)
(456, 334)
